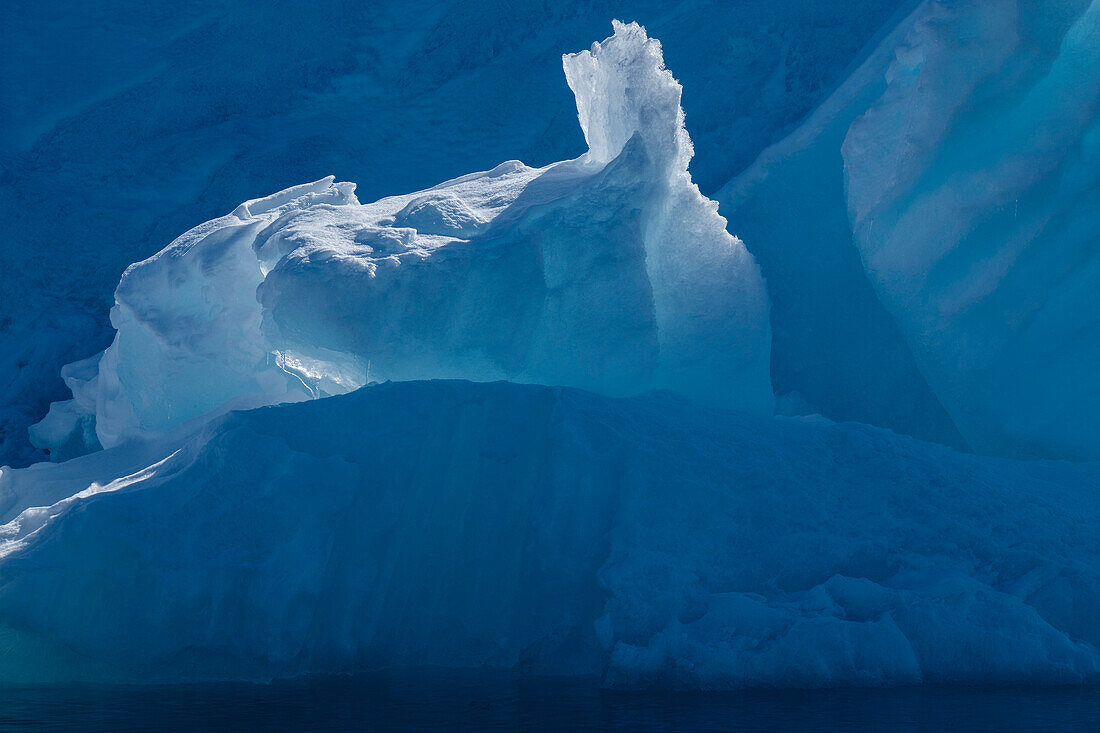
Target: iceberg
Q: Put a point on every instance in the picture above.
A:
(610, 272)
(978, 220)
(523, 420)
(551, 531)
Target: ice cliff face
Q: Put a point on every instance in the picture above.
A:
(650, 539)
(647, 540)
(974, 196)
(935, 219)
(610, 272)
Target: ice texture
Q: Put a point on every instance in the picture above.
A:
(948, 190)
(678, 538)
(610, 272)
(974, 195)
(647, 540)
(124, 124)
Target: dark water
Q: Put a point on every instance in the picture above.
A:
(487, 702)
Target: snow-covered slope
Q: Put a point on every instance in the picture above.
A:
(554, 531)
(125, 123)
(956, 173)
(610, 272)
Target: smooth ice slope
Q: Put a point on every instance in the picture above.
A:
(956, 173)
(609, 272)
(835, 349)
(978, 218)
(648, 540)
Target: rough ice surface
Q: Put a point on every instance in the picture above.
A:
(610, 272)
(126, 123)
(647, 540)
(955, 173)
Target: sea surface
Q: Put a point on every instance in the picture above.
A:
(489, 702)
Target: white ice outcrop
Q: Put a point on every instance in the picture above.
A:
(170, 116)
(651, 540)
(609, 272)
(551, 531)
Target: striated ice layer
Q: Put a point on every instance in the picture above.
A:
(647, 540)
(974, 195)
(610, 272)
(930, 234)
(158, 115)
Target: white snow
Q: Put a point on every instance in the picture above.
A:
(610, 272)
